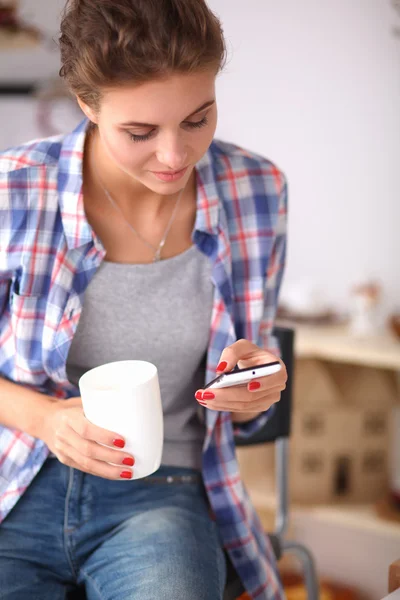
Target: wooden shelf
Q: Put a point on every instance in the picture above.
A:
(360, 516)
(353, 516)
(335, 343)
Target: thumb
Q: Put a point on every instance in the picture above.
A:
(243, 353)
(224, 365)
(228, 359)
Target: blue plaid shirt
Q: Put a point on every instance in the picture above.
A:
(48, 255)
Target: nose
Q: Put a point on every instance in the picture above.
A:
(172, 153)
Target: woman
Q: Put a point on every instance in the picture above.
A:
(126, 239)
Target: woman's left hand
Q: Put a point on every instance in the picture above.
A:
(258, 395)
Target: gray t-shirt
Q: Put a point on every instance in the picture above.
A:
(161, 313)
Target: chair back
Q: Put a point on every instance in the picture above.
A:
(278, 425)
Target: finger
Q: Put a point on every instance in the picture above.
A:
(255, 407)
(242, 350)
(71, 457)
(277, 379)
(89, 431)
(94, 450)
(248, 402)
(261, 386)
(244, 354)
(237, 393)
(258, 406)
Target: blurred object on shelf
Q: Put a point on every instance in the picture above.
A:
(58, 110)
(14, 33)
(295, 590)
(304, 303)
(394, 576)
(365, 308)
(388, 508)
(326, 318)
(339, 447)
(367, 388)
(394, 324)
(395, 457)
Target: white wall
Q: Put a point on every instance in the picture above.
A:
(314, 86)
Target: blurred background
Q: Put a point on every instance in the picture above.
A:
(315, 87)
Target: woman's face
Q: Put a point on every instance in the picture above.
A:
(156, 132)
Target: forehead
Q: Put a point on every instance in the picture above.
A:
(173, 97)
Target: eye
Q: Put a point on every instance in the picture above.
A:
(197, 124)
(189, 124)
(141, 138)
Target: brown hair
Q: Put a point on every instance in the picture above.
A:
(107, 42)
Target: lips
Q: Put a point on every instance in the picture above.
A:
(170, 175)
(170, 172)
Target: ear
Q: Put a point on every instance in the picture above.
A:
(85, 108)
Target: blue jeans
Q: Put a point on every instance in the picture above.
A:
(147, 539)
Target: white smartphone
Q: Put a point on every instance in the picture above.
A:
(242, 377)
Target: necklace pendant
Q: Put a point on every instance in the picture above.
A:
(157, 256)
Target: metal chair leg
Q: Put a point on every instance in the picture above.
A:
(307, 561)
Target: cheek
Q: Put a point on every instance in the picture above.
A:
(209, 135)
(125, 153)
(203, 140)
(209, 132)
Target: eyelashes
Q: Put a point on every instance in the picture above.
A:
(190, 125)
(140, 138)
(197, 124)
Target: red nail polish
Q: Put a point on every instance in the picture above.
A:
(129, 462)
(222, 365)
(254, 385)
(119, 443)
(126, 474)
(202, 403)
(208, 396)
(199, 395)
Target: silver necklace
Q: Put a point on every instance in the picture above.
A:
(156, 249)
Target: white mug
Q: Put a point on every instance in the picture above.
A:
(124, 397)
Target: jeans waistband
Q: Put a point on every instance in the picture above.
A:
(168, 474)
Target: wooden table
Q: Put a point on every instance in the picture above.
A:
(335, 343)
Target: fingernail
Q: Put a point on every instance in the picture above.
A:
(254, 385)
(208, 396)
(119, 443)
(129, 462)
(202, 403)
(222, 365)
(199, 395)
(126, 474)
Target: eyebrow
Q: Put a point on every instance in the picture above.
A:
(136, 124)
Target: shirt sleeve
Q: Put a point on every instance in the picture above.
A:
(266, 339)
(5, 235)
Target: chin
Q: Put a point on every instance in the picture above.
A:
(167, 189)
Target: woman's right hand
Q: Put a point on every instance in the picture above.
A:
(76, 442)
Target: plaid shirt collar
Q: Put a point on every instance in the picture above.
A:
(70, 178)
